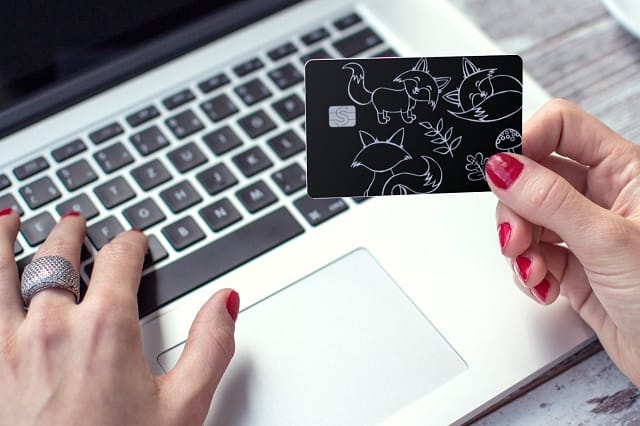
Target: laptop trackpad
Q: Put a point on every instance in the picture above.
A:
(343, 345)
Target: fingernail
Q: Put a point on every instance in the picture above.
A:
(72, 213)
(504, 233)
(523, 267)
(503, 170)
(541, 291)
(6, 211)
(233, 304)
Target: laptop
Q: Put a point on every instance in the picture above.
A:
(186, 119)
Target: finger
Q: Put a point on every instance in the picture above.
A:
(116, 273)
(560, 126)
(564, 128)
(11, 311)
(530, 266)
(207, 353)
(64, 240)
(515, 234)
(546, 199)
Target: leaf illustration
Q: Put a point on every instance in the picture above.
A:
(440, 138)
(475, 167)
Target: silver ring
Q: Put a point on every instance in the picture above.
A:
(49, 272)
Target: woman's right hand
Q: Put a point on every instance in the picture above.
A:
(571, 225)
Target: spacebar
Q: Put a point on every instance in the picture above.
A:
(215, 259)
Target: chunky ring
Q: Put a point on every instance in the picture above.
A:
(49, 272)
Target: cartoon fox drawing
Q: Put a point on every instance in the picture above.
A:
(483, 96)
(419, 86)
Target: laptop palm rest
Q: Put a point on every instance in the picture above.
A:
(343, 345)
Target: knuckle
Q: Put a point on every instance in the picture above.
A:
(47, 327)
(225, 341)
(118, 249)
(551, 196)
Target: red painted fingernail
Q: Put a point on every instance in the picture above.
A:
(5, 212)
(233, 304)
(504, 233)
(503, 170)
(523, 267)
(72, 213)
(541, 291)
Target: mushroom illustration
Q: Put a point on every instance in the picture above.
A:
(509, 140)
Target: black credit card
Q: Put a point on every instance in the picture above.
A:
(395, 126)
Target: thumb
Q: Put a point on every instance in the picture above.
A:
(544, 198)
(207, 353)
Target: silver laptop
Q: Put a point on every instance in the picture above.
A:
(186, 120)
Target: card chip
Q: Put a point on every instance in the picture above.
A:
(342, 116)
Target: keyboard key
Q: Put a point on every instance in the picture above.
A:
(76, 175)
(316, 54)
(282, 51)
(113, 158)
(101, 233)
(36, 229)
(149, 140)
(215, 259)
(4, 182)
(219, 108)
(142, 116)
(81, 204)
(144, 214)
(220, 214)
(180, 196)
(30, 168)
(222, 140)
(68, 150)
(252, 91)
(248, 67)
(257, 124)
(386, 53)
(9, 200)
(317, 211)
(17, 248)
(360, 200)
(183, 233)
(213, 83)
(357, 42)
(150, 175)
(216, 179)
(290, 107)
(256, 196)
(114, 192)
(286, 76)
(252, 161)
(184, 124)
(286, 144)
(156, 252)
(347, 21)
(105, 133)
(315, 36)
(39, 192)
(178, 99)
(187, 157)
(290, 179)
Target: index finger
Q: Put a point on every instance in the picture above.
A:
(562, 127)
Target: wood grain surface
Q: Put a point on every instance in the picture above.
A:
(577, 51)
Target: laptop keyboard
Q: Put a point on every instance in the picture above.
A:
(212, 172)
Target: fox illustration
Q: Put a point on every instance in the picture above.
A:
(418, 86)
(380, 156)
(483, 96)
(411, 183)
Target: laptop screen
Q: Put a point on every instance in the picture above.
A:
(56, 53)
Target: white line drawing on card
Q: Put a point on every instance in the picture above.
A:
(475, 167)
(484, 96)
(412, 183)
(342, 116)
(447, 146)
(509, 140)
(380, 156)
(418, 86)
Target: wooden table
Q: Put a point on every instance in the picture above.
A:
(577, 51)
